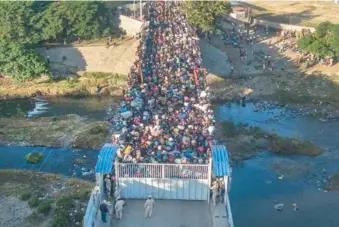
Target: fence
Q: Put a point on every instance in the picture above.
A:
(184, 171)
(164, 181)
(227, 203)
(92, 208)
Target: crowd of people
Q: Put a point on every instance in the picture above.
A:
(165, 116)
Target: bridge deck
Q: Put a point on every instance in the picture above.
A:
(166, 213)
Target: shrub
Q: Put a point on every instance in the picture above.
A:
(65, 202)
(96, 129)
(44, 207)
(60, 220)
(33, 202)
(26, 196)
(79, 216)
(34, 157)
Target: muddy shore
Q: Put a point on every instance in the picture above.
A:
(64, 131)
(84, 84)
(245, 142)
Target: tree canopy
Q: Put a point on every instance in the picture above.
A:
(324, 42)
(203, 14)
(20, 62)
(24, 25)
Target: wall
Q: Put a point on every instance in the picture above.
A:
(131, 26)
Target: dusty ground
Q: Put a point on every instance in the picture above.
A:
(19, 188)
(315, 89)
(306, 13)
(69, 130)
(13, 212)
(92, 58)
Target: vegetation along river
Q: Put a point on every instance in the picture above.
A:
(258, 183)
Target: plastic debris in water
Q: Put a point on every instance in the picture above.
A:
(279, 206)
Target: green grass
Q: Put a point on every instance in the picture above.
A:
(69, 83)
(61, 219)
(65, 202)
(92, 135)
(44, 207)
(33, 202)
(26, 196)
(34, 157)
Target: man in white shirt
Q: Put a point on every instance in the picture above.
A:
(149, 204)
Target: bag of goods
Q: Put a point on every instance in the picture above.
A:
(127, 114)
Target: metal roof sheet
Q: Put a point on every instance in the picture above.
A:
(220, 161)
(106, 158)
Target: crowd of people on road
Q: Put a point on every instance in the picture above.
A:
(165, 116)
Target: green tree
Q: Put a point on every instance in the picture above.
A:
(305, 41)
(204, 14)
(20, 62)
(324, 42)
(322, 29)
(16, 22)
(333, 40)
(66, 20)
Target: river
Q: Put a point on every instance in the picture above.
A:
(255, 185)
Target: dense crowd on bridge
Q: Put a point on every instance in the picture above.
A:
(165, 116)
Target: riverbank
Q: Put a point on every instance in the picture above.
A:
(83, 84)
(41, 200)
(61, 131)
(244, 142)
(306, 86)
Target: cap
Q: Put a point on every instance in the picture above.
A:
(149, 196)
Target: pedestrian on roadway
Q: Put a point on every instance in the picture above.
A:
(119, 206)
(104, 210)
(149, 204)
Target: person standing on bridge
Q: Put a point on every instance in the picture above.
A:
(149, 204)
(119, 206)
(104, 210)
(215, 192)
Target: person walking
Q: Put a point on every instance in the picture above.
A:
(104, 210)
(215, 190)
(149, 204)
(119, 206)
(222, 189)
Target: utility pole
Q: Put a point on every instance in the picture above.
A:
(141, 10)
(134, 9)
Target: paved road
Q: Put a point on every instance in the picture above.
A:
(166, 213)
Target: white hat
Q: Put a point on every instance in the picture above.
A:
(149, 196)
